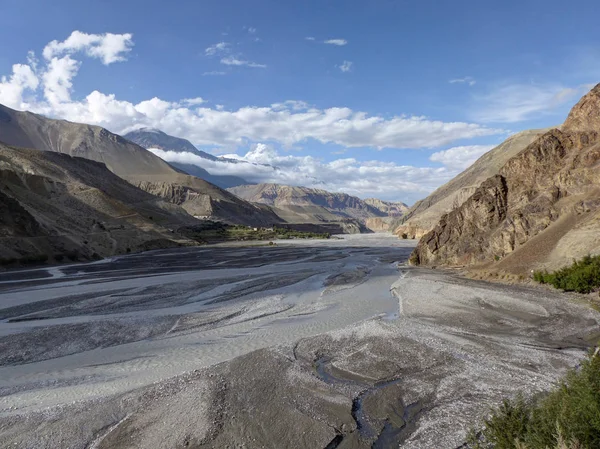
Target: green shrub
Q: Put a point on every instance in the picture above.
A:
(570, 413)
(583, 276)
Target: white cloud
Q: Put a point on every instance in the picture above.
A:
(214, 73)
(232, 60)
(12, 88)
(252, 30)
(466, 80)
(386, 180)
(218, 48)
(57, 79)
(338, 42)
(309, 38)
(519, 102)
(107, 47)
(346, 66)
(459, 158)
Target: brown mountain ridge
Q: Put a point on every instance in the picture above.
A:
(541, 210)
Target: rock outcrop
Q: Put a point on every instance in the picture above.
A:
(423, 216)
(379, 224)
(540, 199)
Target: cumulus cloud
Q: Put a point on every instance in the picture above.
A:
(466, 80)
(57, 79)
(346, 66)
(107, 47)
(338, 42)
(386, 180)
(12, 88)
(459, 158)
(309, 38)
(519, 102)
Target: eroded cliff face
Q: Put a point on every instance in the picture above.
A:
(555, 176)
(378, 224)
(193, 202)
(425, 214)
(462, 234)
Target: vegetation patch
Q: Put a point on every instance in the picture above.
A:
(210, 232)
(583, 276)
(566, 418)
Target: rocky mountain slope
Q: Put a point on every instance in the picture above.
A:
(154, 138)
(54, 206)
(306, 205)
(425, 214)
(129, 161)
(28, 130)
(541, 210)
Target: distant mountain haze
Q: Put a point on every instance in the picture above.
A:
(151, 138)
(155, 138)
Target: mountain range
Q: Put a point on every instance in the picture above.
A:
(132, 163)
(79, 190)
(307, 205)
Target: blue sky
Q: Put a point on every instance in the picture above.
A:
(365, 97)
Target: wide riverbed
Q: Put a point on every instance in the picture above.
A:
(333, 340)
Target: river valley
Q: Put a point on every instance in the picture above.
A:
(313, 344)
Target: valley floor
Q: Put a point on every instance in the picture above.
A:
(315, 344)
